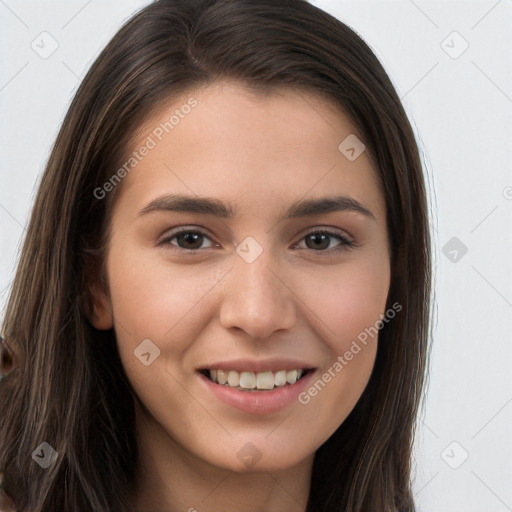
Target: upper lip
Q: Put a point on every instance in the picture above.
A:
(247, 365)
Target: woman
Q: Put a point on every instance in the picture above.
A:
(263, 370)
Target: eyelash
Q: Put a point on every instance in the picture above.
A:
(345, 244)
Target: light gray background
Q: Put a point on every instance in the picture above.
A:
(460, 104)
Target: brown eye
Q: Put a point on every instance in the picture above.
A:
(189, 240)
(186, 240)
(318, 241)
(321, 241)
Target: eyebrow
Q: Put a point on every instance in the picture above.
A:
(214, 207)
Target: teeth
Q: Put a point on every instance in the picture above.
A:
(219, 376)
(280, 378)
(291, 376)
(251, 381)
(247, 380)
(233, 378)
(265, 380)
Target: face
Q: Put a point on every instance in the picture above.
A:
(227, 261)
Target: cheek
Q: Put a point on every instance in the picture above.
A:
(350, 299)
(350, 304)
(152, 299)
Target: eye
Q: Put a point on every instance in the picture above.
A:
(191, 241)
(320, 241)
(186, 239)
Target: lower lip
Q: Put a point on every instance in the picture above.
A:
(258, 402)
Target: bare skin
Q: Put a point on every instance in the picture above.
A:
(299, 300)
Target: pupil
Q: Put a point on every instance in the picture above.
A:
(190, 238)
(319, 239)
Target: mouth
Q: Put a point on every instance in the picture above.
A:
(256, 387)
(255, 381)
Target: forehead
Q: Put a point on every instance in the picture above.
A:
(264, 147)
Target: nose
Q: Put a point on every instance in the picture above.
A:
(257, 298)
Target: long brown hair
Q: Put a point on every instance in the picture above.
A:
(69, 388)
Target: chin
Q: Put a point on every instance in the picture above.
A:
(251, 459)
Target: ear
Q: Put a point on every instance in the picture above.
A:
(95, 298)
(101, 312)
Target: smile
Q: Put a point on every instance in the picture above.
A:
(252, 381)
